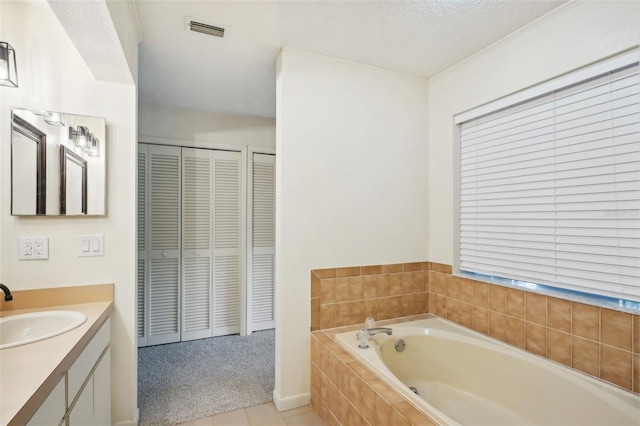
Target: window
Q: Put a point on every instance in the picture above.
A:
(550, 183)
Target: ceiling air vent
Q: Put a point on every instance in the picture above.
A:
(199, 27)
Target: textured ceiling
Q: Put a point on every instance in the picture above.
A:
(237, 74)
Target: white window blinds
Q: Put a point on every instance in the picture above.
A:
(550, 188)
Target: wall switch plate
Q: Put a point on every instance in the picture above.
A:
(33, 248)
(90, 245)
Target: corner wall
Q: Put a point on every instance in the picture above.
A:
(351, 170)
(53, 76)
(570, 37)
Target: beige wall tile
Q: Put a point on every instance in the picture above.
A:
(559, 314)
(315, 285)
(536, 338)
(343, 409)
(328, 316)
(420, 281)
(636, 373)
(411, 267)
(383, 308)
(421, 303)
(481, 294)
(395, 284)
(353, 392)
(559, 346)
(370, 286)
(432, 303)
(368, 402)
(315, 311)
(440, 267)
(407, 282)
(466, 290)
(397, 419)
(342, 290)
(395, 307)
(585, 355)
(466, 315)
(371, 270)
(390, 269)
(343, 314)
(481, 320)
(328, 290)
(497, 325)
(426, 266)
(616, 329)
(536, 308)
(383, 285)
(453, 310)
(371, 308)
(453, 289)
(408, 304)
(636, 334)
(497, 299)
(515, 303)
(414, 416)
(585, 321)
(343, 378)
(383, 411)
(357, 313)
(325, 273)
(382, 389)
(616, 366)
(515, 331)
(356, 285)
(438, 282)
(440, 305)
(352, 271)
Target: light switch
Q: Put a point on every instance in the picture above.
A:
(91, 245)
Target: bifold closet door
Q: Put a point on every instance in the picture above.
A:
(164, 199)
(211, 249)
(142, 271)
(263, 199)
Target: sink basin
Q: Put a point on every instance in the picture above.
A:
(21, 329)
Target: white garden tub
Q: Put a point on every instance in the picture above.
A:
(463, 377)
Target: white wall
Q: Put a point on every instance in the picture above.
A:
(54, 77)
(351, 162)
(571, 37)
(157, 121)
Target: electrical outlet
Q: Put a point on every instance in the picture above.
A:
(33, 248)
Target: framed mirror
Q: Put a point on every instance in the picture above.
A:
(58, 164)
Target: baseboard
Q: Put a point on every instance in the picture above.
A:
(290, 402)
(133, 422)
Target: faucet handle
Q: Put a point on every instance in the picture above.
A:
(369, 323)
(363, 338)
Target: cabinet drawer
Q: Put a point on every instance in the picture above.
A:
(82, 366)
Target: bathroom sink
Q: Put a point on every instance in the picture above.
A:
(21, 329)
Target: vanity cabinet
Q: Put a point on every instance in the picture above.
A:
(83, 396)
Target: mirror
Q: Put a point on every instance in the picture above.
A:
(58, 164)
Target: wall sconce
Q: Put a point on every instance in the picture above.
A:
(80, 136)
(8, 69)
(94, 147)
(55, 119)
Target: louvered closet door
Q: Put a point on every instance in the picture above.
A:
(197, 218)
(227, 256)
(164, 196)
(263, 201)
(142, 272)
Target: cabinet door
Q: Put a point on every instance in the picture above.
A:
(142, 272)
(228, 265)
(81, 414)
(197, 215)
(52, 409)
(263, 242)
(164, 196)
(102, 391)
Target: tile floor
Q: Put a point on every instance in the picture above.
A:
(262, 415)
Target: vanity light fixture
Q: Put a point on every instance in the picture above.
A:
(80, 136)
(55, 119)
(94, 147)
(42, 113)
(8, 69)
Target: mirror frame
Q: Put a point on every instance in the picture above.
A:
(67, 155)
(36, 135)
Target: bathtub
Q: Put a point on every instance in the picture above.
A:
(465, 378)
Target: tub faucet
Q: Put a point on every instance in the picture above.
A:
(376, 330)
(7, 293)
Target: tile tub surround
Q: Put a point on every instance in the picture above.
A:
(601, 342)
(346, 296)
(345, 392)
